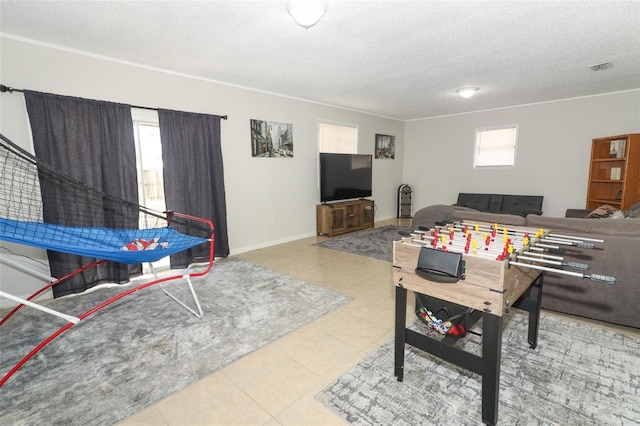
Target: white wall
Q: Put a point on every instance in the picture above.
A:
(269, 200)
(552, 159)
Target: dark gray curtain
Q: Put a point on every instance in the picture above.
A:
(92, 141)
(194, 176)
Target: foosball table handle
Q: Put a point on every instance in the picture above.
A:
(557, 251)
(601, 278)
(578, 266)
(585, 245)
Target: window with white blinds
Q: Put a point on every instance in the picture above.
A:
(337, 138)
(495, 147)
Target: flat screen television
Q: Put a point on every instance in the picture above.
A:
(345, 176)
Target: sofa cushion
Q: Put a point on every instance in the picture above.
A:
(495, 203)
(475, 216)
(522, 204)
(474, 201)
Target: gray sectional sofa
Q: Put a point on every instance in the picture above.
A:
(618, 256)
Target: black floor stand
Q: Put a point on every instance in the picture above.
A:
(487, 365)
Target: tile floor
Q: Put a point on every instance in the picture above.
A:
(276, 385)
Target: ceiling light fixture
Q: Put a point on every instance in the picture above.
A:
(306, 13)
(467, 92)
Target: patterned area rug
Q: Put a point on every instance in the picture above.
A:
(375, 242)
(578, 375)
(146, 347)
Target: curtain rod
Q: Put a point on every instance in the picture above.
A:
(4, 89)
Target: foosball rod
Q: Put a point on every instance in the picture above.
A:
(546, 249)
(499, 229)
(481, 228)
(493, 252)
(571, 265)
(462, 243)
(574, 243)
(517, 244)
(543, 255)
(455, 249)
(593, 277)
(551, 235)
(569, 237)
(459, 248)
(515, 240)
(463, 237)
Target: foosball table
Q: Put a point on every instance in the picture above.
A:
(484, 269)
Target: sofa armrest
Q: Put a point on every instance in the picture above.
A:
(428, 216)
(577, 213)
(476, 216)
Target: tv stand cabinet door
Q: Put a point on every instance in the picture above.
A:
(331, 219)
(339, 220)
(368, 214)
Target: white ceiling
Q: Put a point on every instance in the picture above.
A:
(399, 59)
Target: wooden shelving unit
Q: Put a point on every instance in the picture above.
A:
(345, 216)
(614, 172)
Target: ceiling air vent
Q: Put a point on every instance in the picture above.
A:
(602, 67)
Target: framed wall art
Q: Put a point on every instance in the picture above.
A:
(271, 139)
(385, 146)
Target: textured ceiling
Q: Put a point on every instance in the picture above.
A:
(399, 59)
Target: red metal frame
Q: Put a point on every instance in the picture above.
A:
(108, 302)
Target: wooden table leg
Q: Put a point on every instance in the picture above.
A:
(401, 319)
(491, 356)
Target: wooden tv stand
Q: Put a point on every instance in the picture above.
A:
(344, 216)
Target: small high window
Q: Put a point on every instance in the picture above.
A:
(495, 147)
(337, 138)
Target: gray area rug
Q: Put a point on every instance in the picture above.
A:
(578, 375)
(375, 242)
(146, 347)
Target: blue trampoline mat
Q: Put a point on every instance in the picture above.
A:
(118, 245)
